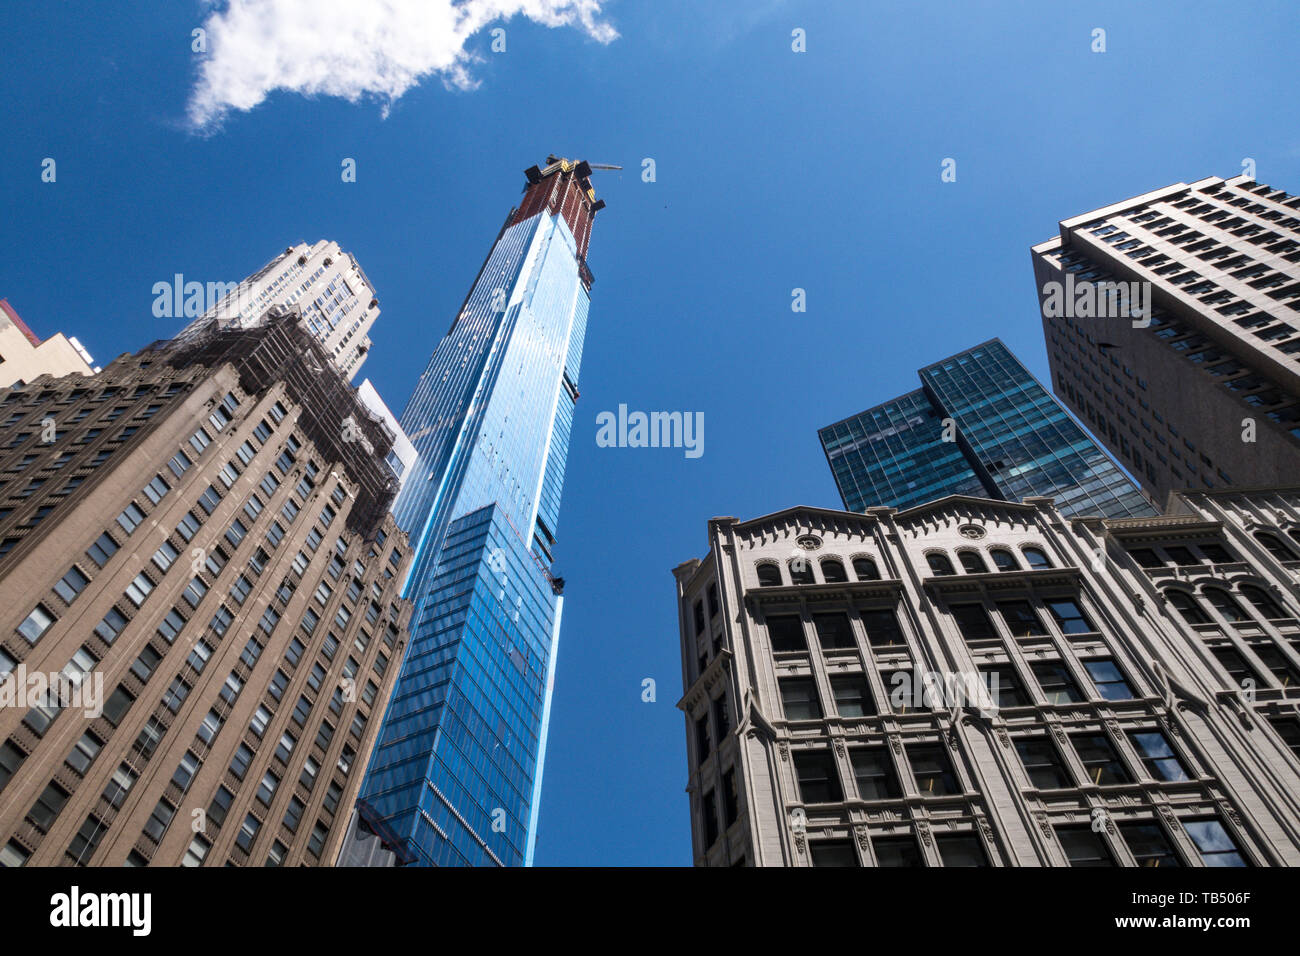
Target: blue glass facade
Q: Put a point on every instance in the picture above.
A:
(1006, 438)
(457, 767)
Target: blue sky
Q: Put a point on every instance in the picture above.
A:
(775, 170)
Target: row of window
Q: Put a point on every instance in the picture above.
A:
(866, 569)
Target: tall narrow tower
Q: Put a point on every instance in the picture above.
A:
(456, 774)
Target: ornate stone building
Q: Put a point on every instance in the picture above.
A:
(974, 682)
(196, 553)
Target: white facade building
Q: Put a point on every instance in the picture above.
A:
(974, 682)
(324, 283)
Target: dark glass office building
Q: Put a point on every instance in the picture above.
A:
(980, 424)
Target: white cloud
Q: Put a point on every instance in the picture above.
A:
(354, 48)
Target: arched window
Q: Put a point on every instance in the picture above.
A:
(769, 576)
(972, 562)
(1187, 606)
(833, 571)
(1222, 602)
(801, 571)
(1262, 601)
(939, 563)
(1004, 559)
(866, 569)
(1036, 558)
(1274, 546)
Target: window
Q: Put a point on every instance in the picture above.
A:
(103, 549)
(961, 849)
(1056, 681)
(1110, 680)
(1262, 602)
(819, 782)
(130, 518)
(159, 821)
(786, 633)
(801, 571)
(1213, 842)
(1274, 546)
(48, 806)
(709, 814)
(317, 841)
(799, 698)
(186, 770)
(1146, 557)
(1004, 686)
(833, 571)
(834, 631)
(83, 754)
(197, 852)
(882, 628)
(86, 841)
(266, 792)
(972, 562)
(1102, 763)
(239, 765)
(874, 771)
(769, 576)
(1036, 558)
(852, 696)
(220, 806)
(1240, 673)
(1158, 756)
(939, 563)
(1042, 762)
(1022, 620)
(973, 622)
(1188, 608)
(1083, 847)
(1069, 616)
(932, 770)
(139, 589)
(865, 569)
(248, 833)
(1277, 663)
(1004, 559)
(1148, 844)
(1222, 602)
(833, 853)
(293, 814)
(36, 624)
(897, 851)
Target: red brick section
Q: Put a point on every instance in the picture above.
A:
(563, 192)
(8, 310)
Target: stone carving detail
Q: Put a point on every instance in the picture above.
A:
(784, 749)
(863, 842)
(923, 829)
(1059, 732)
(1044, 824)
(808, 542)
(839, 746)
(1004, 738)
(799, 842)
(972, 531)
(895, 743)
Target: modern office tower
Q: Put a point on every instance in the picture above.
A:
(1205, 391)
(981, 683)
(320, 282)
(198, 556)
(980, 425)
(25, 358)
(456, 774)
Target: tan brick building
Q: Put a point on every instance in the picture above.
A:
(202, 531)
